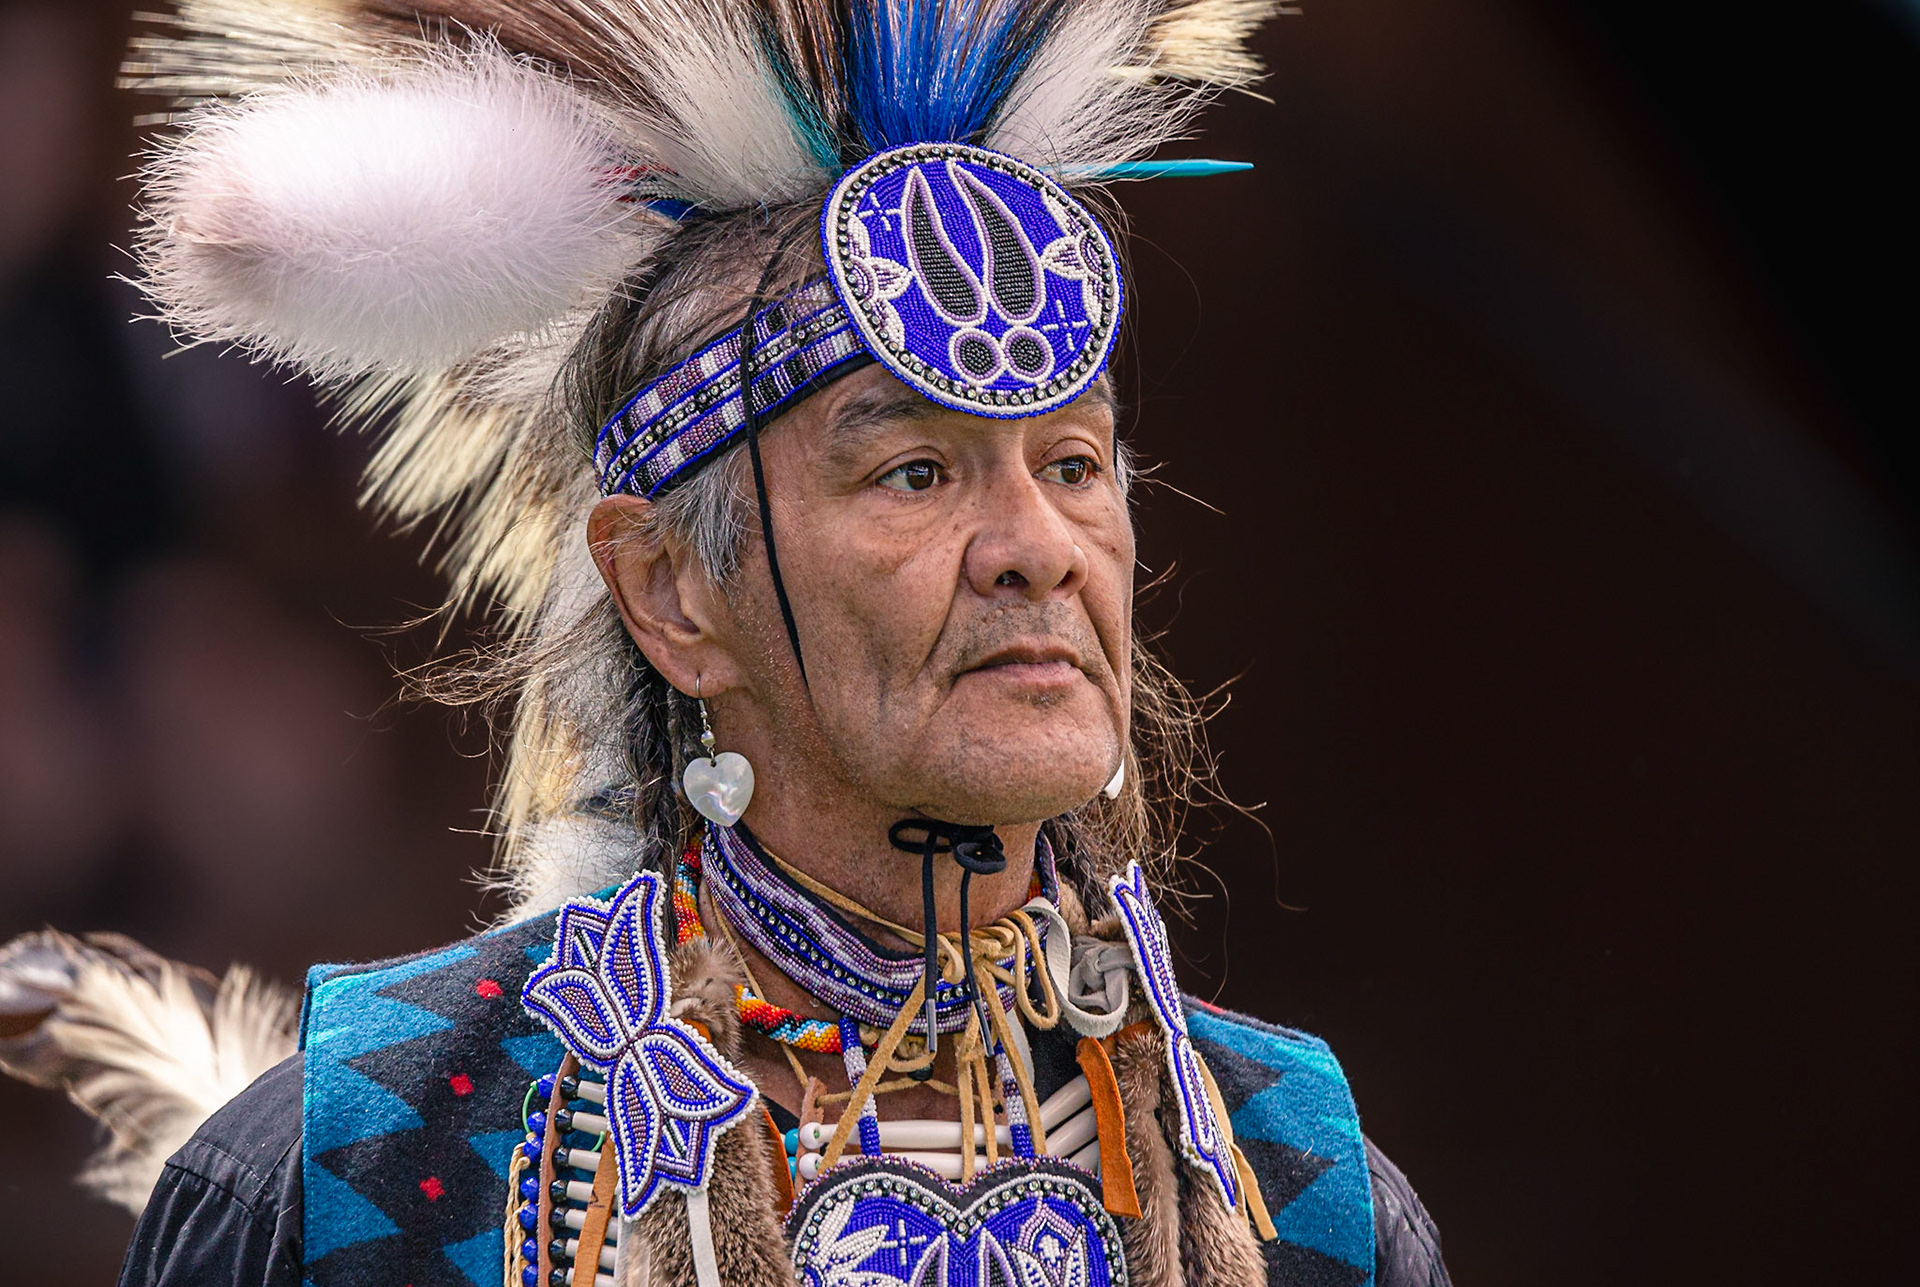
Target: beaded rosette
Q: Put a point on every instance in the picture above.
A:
(877, 1221)
(973, 277)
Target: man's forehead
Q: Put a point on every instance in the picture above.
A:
(875, 401)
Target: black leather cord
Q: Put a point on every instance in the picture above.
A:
(977, 850)
(749, 341)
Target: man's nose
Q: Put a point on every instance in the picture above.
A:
(1023, 546)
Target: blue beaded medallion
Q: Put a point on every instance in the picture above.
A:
(1200, 1136)
(877, 1221)
(974, 278)
(606, 994)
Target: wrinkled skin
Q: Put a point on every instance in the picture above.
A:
(962, 588)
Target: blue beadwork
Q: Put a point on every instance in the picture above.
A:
(879, 1221)
(1200, 1136)
(606, 994)
(974, 278)
(820, 951)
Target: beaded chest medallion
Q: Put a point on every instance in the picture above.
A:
(1030, 1222)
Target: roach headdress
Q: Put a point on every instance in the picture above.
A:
(425, 207)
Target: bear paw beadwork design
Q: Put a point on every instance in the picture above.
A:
(974, 278)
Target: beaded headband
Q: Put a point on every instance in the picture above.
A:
(975, 279)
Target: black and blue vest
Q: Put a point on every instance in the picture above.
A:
(418, 1071)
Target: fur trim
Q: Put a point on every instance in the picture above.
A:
(748, 1242)
(572, 855)
(399, 221)
(148, 1047)
(1153, 1241)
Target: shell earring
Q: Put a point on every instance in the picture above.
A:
(719, 787)
(1119, 779)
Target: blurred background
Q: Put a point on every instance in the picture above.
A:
(1537, 427)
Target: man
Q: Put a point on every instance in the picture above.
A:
(838, 781)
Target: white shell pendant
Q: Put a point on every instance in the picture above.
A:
(720, 788)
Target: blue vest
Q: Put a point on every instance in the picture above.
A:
(418, 1069)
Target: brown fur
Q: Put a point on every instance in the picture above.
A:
(1153, 1241)
(655, 1250)
(1186, 1236)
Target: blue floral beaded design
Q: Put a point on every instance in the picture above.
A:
(606, 993)
(1200, 1136)
(974, 278)
(877, 1222)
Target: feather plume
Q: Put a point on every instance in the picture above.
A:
(395, 220)
(702, 86)
(149, 1047)
(1121, 78)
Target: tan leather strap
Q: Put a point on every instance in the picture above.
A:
(543, 1232)
(593, 1232)
(1251, 1203)
(1110, 1117)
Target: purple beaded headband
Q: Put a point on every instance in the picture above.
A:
(974, 278)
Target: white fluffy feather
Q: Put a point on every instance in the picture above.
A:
(394, 221)
(149, 1047)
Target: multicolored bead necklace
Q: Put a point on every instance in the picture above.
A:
(769, 1020)
(777, 1023)
(816, 947)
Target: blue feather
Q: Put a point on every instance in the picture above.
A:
(936, 71)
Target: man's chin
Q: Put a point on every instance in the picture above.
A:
(1009, 781)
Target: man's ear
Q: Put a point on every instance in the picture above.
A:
(662, 594)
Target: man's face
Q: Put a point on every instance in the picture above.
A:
(963, 591)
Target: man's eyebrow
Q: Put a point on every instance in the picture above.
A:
(868, 413)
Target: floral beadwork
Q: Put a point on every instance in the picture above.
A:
(877, 1222)
(606, 994)
(974, 278)
(1200, 1135)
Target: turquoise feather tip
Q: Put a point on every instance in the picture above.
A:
(1185, 168)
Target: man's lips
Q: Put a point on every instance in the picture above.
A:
(1038, 661)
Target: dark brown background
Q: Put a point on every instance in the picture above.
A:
(1550, 381)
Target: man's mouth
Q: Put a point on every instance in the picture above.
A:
(1042, 664)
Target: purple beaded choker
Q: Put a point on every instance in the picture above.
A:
(814, 945)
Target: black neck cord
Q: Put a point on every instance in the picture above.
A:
(977, 850)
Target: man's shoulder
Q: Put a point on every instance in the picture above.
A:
(250, 1141)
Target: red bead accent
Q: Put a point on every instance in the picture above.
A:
(461, 1083)
(432, 1187)
(488, 989)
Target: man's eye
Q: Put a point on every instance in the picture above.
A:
(914, 476)
(1073, 471)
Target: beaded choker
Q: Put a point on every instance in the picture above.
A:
(818, 949)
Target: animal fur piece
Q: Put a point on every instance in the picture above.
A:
(394, 220)
(147, 1046)
(656, 1250)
